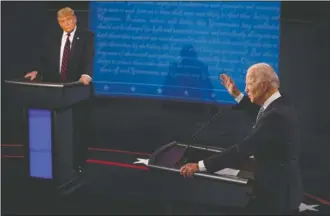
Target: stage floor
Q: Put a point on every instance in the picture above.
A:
(113, 184)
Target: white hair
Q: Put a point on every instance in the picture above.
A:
(264, 72)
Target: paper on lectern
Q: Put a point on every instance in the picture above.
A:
(228, 171)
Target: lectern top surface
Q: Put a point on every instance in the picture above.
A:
(43, 84)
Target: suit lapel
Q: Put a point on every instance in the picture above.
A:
(278, 100)
(75, 41)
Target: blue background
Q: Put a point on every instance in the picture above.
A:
(177, 50)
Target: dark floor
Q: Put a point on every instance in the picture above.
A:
(106, 188)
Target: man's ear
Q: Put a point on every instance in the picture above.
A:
(263, 86)
(267, 85)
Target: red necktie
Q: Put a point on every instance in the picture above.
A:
(65, 59)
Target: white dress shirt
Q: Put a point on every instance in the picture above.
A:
(238, 99)
(64, 37)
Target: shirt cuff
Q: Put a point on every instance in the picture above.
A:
(239, 97)
(87, 76)
(201, 166)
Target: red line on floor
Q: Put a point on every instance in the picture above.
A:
(119, 151)
(12, 156)
(112, 163)
(93, 149)
(323, 201)
(11, 145)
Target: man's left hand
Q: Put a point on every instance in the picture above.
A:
(189, 169)
(85, 80)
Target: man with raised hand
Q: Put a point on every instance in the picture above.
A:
(273, 140)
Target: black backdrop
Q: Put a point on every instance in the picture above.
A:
(144, 125)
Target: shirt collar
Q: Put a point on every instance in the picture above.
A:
(271, 99)
(71, 33)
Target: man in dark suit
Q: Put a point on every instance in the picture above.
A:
(66, 56)
(273, 140)
(66, 53)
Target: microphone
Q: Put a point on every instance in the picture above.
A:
(198, 131)
(205, 124)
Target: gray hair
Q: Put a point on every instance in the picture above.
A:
(264, 72)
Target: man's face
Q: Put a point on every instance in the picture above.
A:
(67, 23)
(254, 89)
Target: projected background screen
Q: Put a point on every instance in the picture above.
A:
(177, 50)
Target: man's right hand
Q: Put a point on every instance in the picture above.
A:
(229, 84)
(31, 75)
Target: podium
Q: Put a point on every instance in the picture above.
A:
(203, 187)
(48, 112)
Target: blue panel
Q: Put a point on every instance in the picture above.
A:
(40, 143)
(177, 50)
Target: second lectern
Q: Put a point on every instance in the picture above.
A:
(48, 111)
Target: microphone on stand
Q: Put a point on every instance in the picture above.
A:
(202, 128)
(199, 130)
(205, 124)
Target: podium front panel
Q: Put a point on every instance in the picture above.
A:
(50, 145)
(203, 187)
(40, 143)
(48, 114)
(174, 155)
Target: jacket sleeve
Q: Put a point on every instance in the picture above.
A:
(260, 135)
(41, 56)
(89, 54)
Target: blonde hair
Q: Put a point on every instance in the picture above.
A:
(65, 12)
(264, 72)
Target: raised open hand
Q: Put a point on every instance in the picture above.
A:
(229, 84)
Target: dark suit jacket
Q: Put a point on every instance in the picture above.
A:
(274, 142)
(80, 60)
